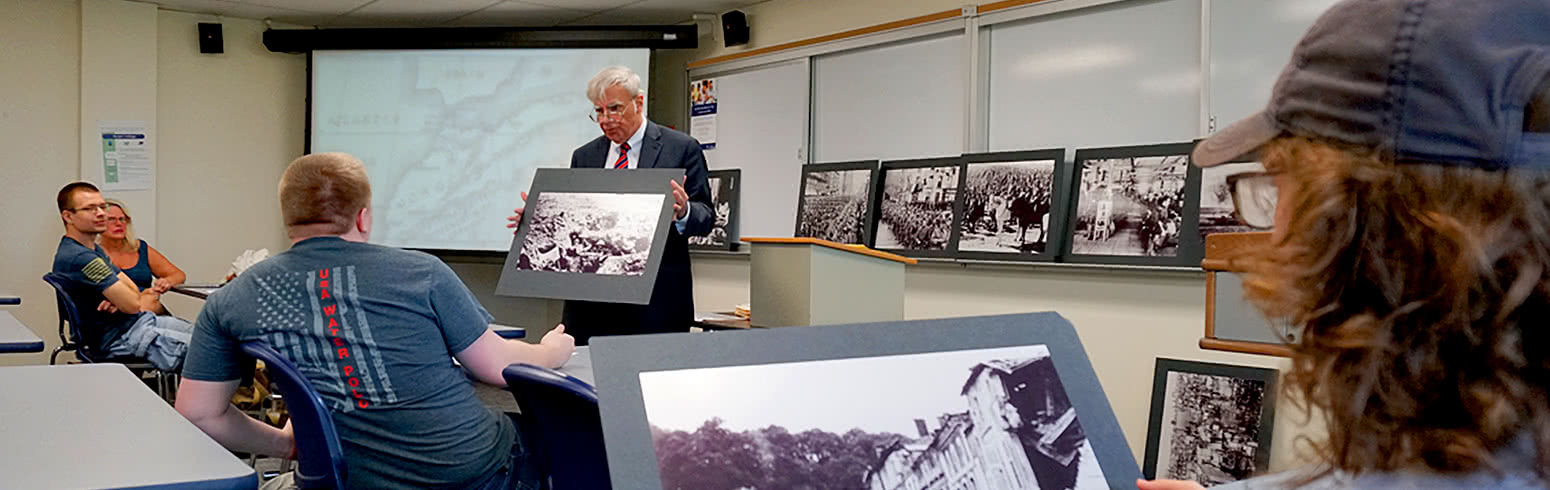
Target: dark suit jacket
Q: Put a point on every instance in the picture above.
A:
(672, 299)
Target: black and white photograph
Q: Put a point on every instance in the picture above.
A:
(996, 418)
(836, 202)
(1216, 207)
(1130, 205)
(1007, 207)
(1211, 423)
(916, 210)
(723, 199)
(590, 233)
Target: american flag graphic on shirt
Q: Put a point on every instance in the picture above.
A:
(315, 319)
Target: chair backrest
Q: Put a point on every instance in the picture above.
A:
(69, 316)
(560, 412)
(319, 457)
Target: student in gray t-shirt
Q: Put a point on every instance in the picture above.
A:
(375, 329)
(1406, 148)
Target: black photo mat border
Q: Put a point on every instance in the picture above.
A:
(871, 198)
(880, 186)
(1160, 396)
(1190, 248)
(1055, 242)
(735, 176)
(591, 287)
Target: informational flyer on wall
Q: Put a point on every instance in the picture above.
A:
(702, 112)
(127, 158)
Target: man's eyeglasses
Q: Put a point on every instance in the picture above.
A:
(613, 110)
(1254, 197)
(95, 207)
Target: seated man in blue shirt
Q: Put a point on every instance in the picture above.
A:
(375, 329)
(116, 317)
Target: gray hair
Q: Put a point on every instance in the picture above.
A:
(613, 76)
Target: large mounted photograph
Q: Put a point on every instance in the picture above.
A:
(1012, 203)
(590, 234)
(1135, 205)
(724, 193)
(919, 203)
(1210, 423)
(995, 418)
(835, 202)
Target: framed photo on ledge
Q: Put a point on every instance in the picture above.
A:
(724, 194)
(918, 206)
(1210, 423)
(835, 202)
(1135, 205)
(1013, 205)
(591, 234)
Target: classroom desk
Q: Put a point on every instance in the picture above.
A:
(15, 337)
(720, 321)
(200, 291)
(508, 331)
(580, 366)
(9, 299)
(98, 426)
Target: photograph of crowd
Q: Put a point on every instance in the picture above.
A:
(1007, 206)
(916, 212)
(976, 419)
(723, 199)
(835, 204)
(1216, 207)
(1131, 206)
(1211, 423)
(590, 233)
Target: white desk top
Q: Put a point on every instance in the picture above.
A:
(96, 426)
(15, 337)
(580, 366)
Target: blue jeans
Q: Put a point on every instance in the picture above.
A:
(162, 340)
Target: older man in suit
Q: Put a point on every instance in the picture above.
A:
(630, 141)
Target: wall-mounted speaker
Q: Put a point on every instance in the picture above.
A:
(734, 28)
(210, 38)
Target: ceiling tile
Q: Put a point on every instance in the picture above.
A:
(414, 12)
(588, 5)
(518, 14)
(635, 16)
(243, 11)
(706, 6)
(322, 6)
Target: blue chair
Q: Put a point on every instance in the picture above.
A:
(319, 457)
(70, 340)
(560, 426)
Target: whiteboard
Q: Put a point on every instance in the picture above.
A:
(1251, 40)
(895, 101)
(1119, 74)
(762, 129)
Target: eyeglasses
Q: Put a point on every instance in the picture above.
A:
(613, 110)
(1254, 197)
(95, 207)
(115, 219)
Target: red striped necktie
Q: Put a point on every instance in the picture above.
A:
(624, 156)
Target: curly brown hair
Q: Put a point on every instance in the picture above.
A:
(1422, 291)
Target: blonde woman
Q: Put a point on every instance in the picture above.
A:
(148, 268)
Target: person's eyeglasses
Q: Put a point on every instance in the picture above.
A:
(95, 207)
(1254, 198)
(115, 219)
(613, 110)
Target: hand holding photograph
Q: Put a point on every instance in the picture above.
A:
(591, 234)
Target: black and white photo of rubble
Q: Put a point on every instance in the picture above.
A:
(591, 233)
(995, 418)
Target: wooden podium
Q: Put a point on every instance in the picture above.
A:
(807, 281)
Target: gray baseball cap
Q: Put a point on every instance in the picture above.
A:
(1422, 81)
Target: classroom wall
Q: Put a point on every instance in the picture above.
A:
(39, 121)
(1126, 319)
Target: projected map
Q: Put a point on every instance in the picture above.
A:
(451, 137)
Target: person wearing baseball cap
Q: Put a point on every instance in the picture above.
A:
(1406, 148)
